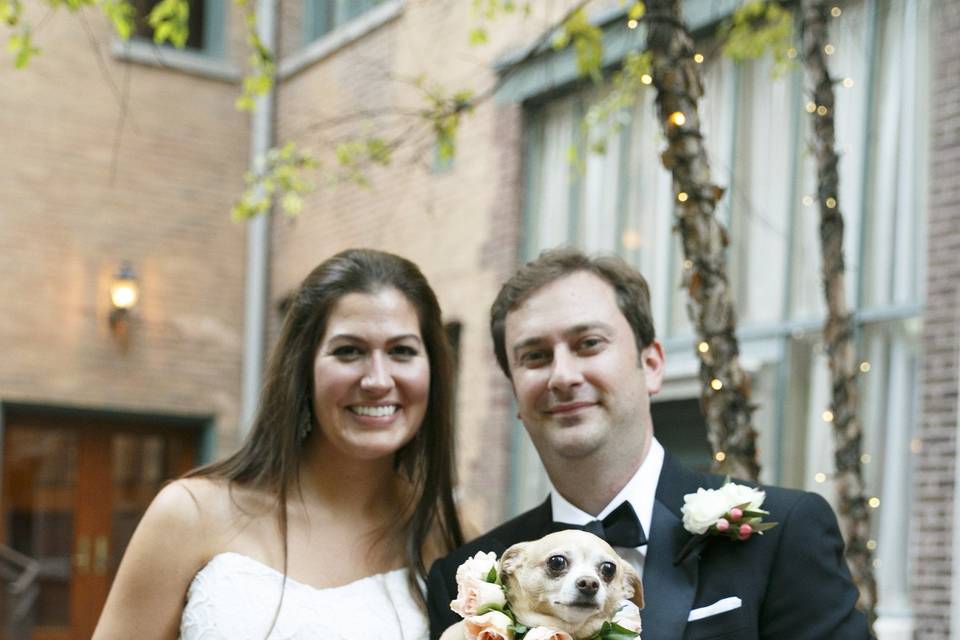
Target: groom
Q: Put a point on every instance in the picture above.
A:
(575, 337)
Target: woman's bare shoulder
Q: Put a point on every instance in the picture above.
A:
(209, 505)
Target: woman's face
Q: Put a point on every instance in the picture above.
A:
(371, 375)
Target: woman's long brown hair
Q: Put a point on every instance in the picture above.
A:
(269, 458)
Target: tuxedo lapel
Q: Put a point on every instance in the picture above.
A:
(669, 589)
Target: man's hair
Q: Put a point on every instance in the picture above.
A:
(632, 293)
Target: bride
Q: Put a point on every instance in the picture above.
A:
(323, 523)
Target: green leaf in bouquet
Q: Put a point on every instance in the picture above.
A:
(491, 607)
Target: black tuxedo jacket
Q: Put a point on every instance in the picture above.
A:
(793, 580)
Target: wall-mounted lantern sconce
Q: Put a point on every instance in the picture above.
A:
(124, 293)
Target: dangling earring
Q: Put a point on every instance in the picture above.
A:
(306, 426)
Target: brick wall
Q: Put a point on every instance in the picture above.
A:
(82, 190)
(934, 472)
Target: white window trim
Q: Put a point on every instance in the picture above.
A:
(142, 51)
(340, 37)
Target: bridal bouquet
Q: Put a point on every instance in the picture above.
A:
(482, 602)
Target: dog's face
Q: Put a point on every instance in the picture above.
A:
(570, 580)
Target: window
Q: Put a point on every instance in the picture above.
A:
(757, 132)
(323, 16)
(205, 25)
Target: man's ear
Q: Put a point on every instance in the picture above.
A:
(653, 362)
(511, 559)
(634, 585)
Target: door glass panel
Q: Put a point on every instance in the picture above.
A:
(39, 492)
(141, 464)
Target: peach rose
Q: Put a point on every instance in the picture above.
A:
(473, 593)
(493, 625)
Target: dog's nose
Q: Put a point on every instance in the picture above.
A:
(588, 585)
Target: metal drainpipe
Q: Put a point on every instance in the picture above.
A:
(258, 236)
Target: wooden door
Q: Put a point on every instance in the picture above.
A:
(73, 492)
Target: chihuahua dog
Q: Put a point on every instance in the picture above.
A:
(570, 581)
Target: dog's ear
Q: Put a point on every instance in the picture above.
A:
(511, 559)
(633, 585)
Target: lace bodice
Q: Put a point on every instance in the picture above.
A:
(235, 597)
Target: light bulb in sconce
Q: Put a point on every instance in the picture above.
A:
(124, 294)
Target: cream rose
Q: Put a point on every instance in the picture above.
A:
(628, 617)
(472, 593)
(478, 566)
(546, 633)
(702, 509)
(493, 625)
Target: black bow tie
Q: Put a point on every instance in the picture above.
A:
(620, 529)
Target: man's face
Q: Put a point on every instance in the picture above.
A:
(580, 388)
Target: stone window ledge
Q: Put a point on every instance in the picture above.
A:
(193, 62)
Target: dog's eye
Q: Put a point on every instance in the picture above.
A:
(608, 570)
(556, 564)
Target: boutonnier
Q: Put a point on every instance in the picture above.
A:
(732, 511)
(483, 603)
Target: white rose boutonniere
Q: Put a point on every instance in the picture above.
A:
(732, 511)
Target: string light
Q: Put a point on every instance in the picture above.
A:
(698, 58)
(646, 78)
(836, 11)
(703, 347)
(865, 458)
(831, 203)
(719, 456)
(828, 49)
(864, 367)
(632, 239)
(682, 196)
(874, 502)
(916, 445)
(632, 24)
(827, 416)
(807, 201)
(872, 545)
(791, 53)
(688, 264)
(821, 110)
(716, 384)
(677, 119)
(848, 82)
(820, 477)
(811, 107)
(876, 563)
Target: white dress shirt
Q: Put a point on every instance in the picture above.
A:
(639, 491)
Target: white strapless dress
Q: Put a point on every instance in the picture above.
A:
(235, 597)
